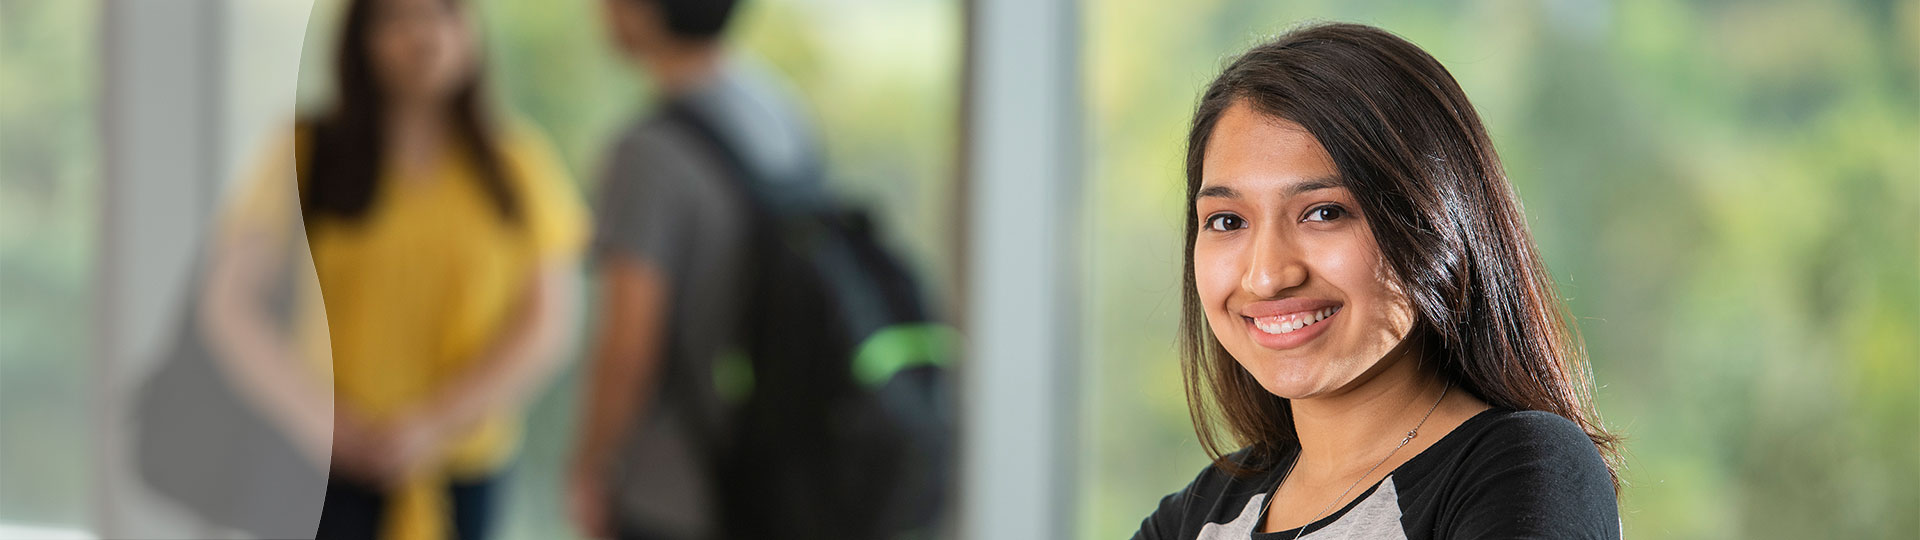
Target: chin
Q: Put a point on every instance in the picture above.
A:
(1290, 377)
(1291, 390)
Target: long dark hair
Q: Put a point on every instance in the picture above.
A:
(348, 144)
(1451, 233)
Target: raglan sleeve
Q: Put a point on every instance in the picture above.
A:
(1539, 476)
(1170, 520)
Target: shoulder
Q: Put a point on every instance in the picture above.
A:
(1533, 436)
(549, 197)
(1215, 495)
(1213, 480)
(656, 131)
(518, 134)
(264, 202)
(535, 164)
(1258, 467)
(1512, 424)
(1532, 474)
(656, 148)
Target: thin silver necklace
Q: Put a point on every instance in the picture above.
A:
(1363, 476)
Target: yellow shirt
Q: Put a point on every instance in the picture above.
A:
(420, 286)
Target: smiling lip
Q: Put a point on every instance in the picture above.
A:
(1288, 323)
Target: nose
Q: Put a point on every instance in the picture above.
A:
(1277, 265)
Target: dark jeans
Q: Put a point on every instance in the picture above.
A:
(354, 511)
(628, 533)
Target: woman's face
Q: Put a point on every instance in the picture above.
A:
(1285, 265)
(422, 50)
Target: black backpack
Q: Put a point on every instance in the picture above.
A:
(847, 431)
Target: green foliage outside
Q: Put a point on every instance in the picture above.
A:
(47, 215)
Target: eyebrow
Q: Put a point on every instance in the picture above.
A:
(1291, 190)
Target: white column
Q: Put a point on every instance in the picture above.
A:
(160, 103)
(1022, 213)
(191, 95)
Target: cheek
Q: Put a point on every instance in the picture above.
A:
(1217, 269)
(1353, 264)
(388, 51)
(1350, 263)
(454, 50)
(397, 55)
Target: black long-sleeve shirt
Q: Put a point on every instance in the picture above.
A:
(1502, 474)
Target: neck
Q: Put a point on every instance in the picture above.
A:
(414, 131)
(684, 66)
(1348, 431)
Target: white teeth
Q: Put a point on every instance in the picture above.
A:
(1290, 325)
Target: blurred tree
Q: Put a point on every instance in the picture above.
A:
(48, 184)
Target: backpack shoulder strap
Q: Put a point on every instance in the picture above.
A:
(683, 114)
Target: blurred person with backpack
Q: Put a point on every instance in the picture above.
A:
(762, 365)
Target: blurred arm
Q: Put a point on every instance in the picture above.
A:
(622, 380)
(253, 354)
(626, 358)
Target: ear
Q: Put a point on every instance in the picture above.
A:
(618, 18)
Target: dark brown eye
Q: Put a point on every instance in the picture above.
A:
(1325, 213)
(1225, 222)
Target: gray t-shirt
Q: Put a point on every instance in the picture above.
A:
(668, 199)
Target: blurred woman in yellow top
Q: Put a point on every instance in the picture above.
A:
(445, 248)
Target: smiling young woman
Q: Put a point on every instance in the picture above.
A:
(1366, 316)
